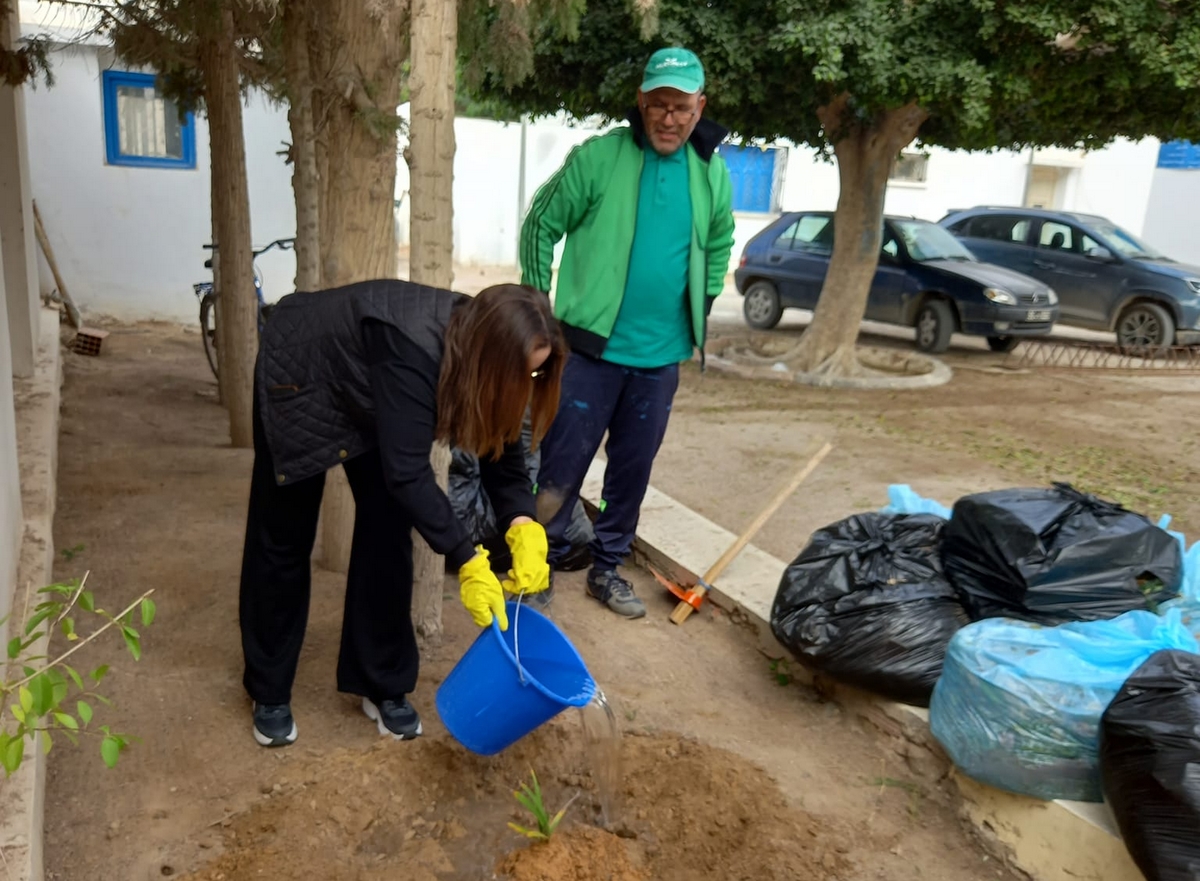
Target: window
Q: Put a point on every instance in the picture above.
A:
(812, 232)
(998, 228)
(891, 245)
(143, 128)
(756, 175)
(910, 168)
(928, 241)
(1057, 236)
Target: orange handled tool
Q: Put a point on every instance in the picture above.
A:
(690, 599)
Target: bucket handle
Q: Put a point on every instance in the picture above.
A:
(516, 635)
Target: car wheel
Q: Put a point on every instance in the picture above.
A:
(1002, 343)
(1145, 327)
(761, 306)
(935, 324)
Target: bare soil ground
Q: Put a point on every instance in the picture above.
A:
(727, 775)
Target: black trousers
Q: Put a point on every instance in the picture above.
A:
(378, 656)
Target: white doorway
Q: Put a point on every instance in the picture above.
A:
(1045, 187)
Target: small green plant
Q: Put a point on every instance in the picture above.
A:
(781, 671)
(69, 553)
(42, 692)
(530, 798)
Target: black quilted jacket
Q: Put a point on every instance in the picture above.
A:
(313, 380)
(344, 371)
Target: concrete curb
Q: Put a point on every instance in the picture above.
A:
(939, 374)
(22, 796)
(1051, 841)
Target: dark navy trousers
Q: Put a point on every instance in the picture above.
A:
(632, 405)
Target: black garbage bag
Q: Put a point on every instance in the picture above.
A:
(471, 505)
(1150, 764)
(467, 498)
(1054, 555)
(866, 602)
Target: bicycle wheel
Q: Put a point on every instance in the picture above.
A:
(208, 329)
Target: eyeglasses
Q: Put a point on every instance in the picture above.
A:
(657, 113)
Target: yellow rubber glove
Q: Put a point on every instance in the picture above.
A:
(481, 593)
(530, 572)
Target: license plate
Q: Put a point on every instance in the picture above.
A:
(1037, 315)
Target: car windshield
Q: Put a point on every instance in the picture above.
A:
(1127, 244)
(928, 241)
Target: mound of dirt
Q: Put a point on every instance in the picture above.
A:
(430, 811)
(583, 853)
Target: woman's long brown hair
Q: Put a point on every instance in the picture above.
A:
(485, 383)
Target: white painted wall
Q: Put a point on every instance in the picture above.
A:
(1115, 183)
(1171, 213)
(128, 240)
(12, 523)
(487, 165)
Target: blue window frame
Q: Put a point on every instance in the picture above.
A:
(755, 176)
(141, 127)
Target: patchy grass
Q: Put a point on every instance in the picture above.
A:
(1138, 481)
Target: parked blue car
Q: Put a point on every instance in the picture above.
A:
(1105, 277)
(926, 280)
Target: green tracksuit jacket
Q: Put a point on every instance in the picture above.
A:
(592, 200)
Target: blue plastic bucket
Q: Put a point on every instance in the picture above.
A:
(484, 702)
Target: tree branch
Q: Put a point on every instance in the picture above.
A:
(82, 642)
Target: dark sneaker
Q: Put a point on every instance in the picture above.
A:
(541, 600)
(274, 725)
(579, 557)
(615, 592)
(394, 717)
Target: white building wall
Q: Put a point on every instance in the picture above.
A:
(957, 179)
(487, 174)
(12, 523)
(1115, 183)
(129, 240)
(1171, 213)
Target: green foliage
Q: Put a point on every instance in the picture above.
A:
(25, 63)
(51, 696)
(781, 671)
(990, 73)
(530, 797)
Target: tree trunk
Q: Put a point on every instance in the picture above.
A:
(865, 154)
(431, 175)
(306, 182)
(362, 45)
(237, 331)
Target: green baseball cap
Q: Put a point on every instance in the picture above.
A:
(674, 68)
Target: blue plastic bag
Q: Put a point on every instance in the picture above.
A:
(902, 500)
(1189, 590)
(1018, 705)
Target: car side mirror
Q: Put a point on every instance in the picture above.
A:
(1101, 254)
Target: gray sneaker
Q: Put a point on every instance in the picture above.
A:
(274, 725)
(615, 592)
(395, 717)
(541, 600)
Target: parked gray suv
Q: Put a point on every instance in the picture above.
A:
(1106, 279)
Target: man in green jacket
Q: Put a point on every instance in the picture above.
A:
(646, 210)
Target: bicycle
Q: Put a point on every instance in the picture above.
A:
(208, 300)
